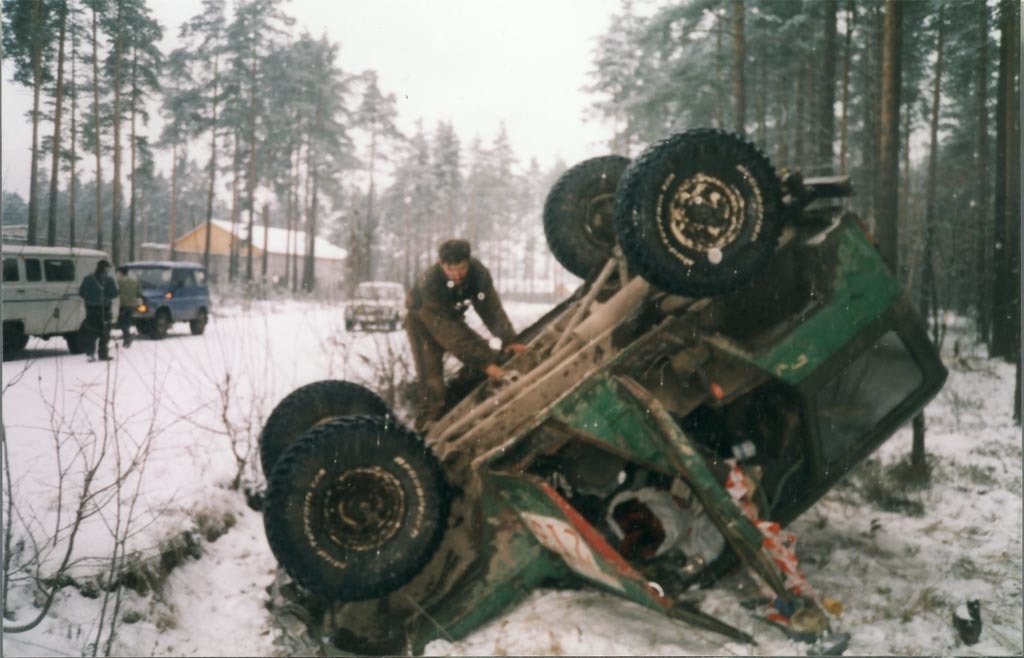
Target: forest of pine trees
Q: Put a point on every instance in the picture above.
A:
(917, 101)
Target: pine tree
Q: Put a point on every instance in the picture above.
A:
(28, 43)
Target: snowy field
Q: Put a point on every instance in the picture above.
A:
(156, 451)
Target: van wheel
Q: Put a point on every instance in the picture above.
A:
(76, 341)
(699, 213)
(312, 405)
(198, 326)
(160, 324)
(15, 339)
(356, 508)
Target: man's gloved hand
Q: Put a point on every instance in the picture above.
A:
(517, 348)
(494, 371)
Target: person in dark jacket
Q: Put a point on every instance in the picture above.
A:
(436, 324)
(99, 291)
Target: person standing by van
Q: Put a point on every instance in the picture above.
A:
(130, 292)
(98, 290)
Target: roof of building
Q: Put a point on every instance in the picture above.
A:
(39, 250)
(283, 241)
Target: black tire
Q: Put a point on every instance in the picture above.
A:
(159, 325)
(15, 339)
(356, 508)
(309, 406)
(578, 214)
(198, 326)
(76, 341)
(348, 325)
(699, 213)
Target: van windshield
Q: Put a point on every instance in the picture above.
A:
(381, 292)
(152, 277)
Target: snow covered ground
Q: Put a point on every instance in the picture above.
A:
(168, 430)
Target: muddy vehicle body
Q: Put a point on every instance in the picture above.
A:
(676, 368)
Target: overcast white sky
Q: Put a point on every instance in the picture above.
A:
(473, 62)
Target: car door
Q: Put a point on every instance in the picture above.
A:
(69, 311)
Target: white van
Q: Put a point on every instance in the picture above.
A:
(40, 294)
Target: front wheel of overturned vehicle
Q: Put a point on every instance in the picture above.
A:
(312, 405)
(356, 508)
(699, 213)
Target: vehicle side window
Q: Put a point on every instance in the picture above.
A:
(11, 269)
(183, 279)
(200, 277)
(59, 269)
(863, 394)
(33, 270)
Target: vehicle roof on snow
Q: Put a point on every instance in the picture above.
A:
(22, 249)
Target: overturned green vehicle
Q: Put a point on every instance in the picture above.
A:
(732, 322)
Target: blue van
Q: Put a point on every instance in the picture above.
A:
(171, 292)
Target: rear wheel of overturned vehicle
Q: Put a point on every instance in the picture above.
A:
(159, 325)
(699, 213)
(356, 508)
(312, 405)
(578, 214)
(198, 326)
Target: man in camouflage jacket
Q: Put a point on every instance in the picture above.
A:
(436, 324)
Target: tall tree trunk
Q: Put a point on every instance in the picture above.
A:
(801, 115)
(917, 453)
(131, 174)
(251, 178)
(37, 84)
(762, 99)
(887, 208)
(983, 262)
(73, 186)
(826, 124)
(739, 58)
(235, 248)
(719, 75)
(51, 223)
(213, 168)
(173, 221)
(96, 128)
(309, 276)
(1006, 261)
(369, 200)
(851, 12)
(266, 241)
(115, 226)
(1005, 283)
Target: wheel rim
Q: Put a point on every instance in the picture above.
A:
(363, 508)
(706, 214)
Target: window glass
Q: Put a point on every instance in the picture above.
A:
(183, 278)
(33, 270)
(152, 277)
(864, 393)
(11, 269)
(59, 269)
(200, 277)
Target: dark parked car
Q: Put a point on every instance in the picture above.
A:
(171, 292)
